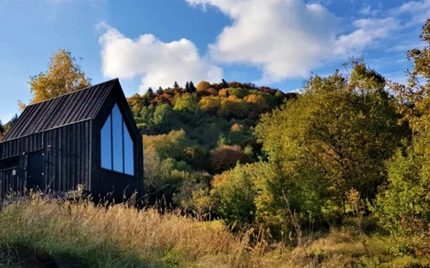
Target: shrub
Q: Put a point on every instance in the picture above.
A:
(225, 157)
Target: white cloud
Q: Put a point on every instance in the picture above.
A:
(155, 62)
(368, 10)
(419, 11)
(366, 33)
(286, 38)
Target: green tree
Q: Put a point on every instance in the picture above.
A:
(185, 102)
(63, 76)
(335, 136)
(403, 206)
(8, 126)
(164, 118)
(192, 88)
(233, 194)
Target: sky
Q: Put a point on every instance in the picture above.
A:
(152, 43)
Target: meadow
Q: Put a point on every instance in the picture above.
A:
(38, 232)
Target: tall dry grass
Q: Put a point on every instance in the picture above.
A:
(81, 234)
(123, 232)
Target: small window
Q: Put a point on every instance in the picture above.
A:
(117, 148)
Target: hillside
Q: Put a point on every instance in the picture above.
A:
(193, 132)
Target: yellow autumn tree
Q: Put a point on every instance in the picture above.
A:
(63, 76)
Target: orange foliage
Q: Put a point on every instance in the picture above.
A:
(236, 127)
(223, 92)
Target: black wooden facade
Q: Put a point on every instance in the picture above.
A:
(55, 145)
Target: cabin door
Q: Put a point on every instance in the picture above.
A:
(36, 171)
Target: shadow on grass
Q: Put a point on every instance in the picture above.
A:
(25, 255)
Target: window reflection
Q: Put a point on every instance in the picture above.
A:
(106, 145)
(128, 152)
(117, 139)
(117, 152)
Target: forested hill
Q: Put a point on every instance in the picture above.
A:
(195, 131)
(212, 116)
(178, 107)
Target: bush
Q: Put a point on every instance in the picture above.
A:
(403, 207)
(225, 157)
(233, 194)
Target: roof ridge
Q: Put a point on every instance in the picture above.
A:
(73, 92)
(64, 109)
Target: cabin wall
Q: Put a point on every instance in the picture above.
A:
(22, 145)
(13, 173)
(67, 158)
(68, 161)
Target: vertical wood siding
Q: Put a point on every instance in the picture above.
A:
(67, 158)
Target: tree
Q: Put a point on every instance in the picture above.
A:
(63, 76)
(203, 86)
(210, 104)
(185, 102)
(164, 118)
(8, 126)
(403, 206)
(148, 97)
(192, 88)
(225, 157)
(233, 194)
(337, 135)
(2, 130)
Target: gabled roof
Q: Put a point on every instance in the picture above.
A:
(63, 110)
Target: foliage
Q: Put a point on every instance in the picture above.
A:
(403, 205)
(334, 137)
(2, 129)
(63, 76)
(185, 102)
(225, 157)
(234, 193)
(8, 126)
(208, 119)
(167, 168)
(203, 86)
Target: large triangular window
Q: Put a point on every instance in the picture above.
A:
(117, 152)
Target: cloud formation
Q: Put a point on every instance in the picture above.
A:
(288, 38)
(366, 33)
(285, 38)
(155, 62)
(419, 11)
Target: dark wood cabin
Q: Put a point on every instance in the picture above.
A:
(87, 138)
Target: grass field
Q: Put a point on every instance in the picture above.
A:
(41, 233)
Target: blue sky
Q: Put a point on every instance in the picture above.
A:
(278, 43)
